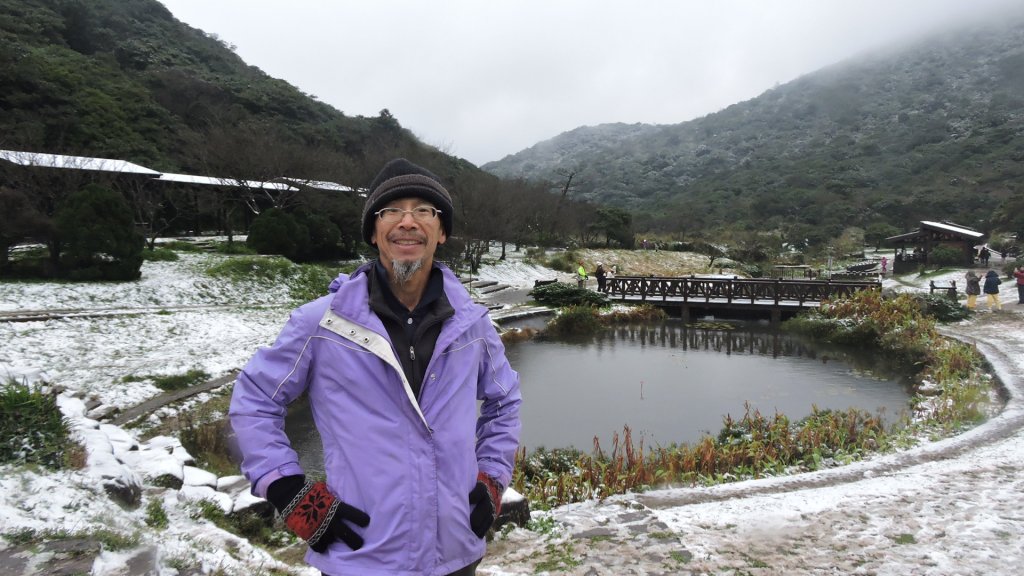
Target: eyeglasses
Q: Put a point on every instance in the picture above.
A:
(419, 214)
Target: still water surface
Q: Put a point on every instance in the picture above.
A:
(672, 383)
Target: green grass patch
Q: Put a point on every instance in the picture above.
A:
(558, 558)
(160, 255)
(904, 539)
(247, 524)
(232, 248)
(311, 280)
(180, 381)
(32, 428)
(305, 282)
(254, 268)
(182, 246)
(156, 516)
(108, 539)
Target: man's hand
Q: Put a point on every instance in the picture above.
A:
(486, 502)
(314, 514)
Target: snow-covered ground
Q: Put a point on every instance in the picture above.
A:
(954, 512)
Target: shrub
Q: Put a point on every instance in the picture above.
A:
(324, 238)
(97, 232)
(32, 428)
(1010, 266)
(278, 232)
(300, 237)
(534, 254)
(560, 294)
(897, 325)
(946, 256)
(638, 313)
(563, 261)
(942, 308)
(575, 321)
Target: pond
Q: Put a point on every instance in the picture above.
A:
(673, 383)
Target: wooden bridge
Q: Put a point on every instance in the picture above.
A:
(775, 297)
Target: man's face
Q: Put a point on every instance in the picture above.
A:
(408, 240)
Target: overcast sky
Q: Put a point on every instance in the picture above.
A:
(483, 79)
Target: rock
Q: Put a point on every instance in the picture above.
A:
(125, 490)
(102, 412)
(515, 509)
(183, 456)
(120, 440)
(232, 484)
(246, 502)
(200, 493)
(193, 476)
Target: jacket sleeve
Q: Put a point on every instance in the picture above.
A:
(498, 427)
(272, 379)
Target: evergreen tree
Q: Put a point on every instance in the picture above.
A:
(97, 236)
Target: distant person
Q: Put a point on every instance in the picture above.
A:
(601, 275)
(973, 289)
(416, 404)
(581, 276)
(991, 290)
(1018, 273)
(984, 256)
(885, 265)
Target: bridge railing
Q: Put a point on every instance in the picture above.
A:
(747, 290)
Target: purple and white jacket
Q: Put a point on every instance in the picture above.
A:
(409, 465)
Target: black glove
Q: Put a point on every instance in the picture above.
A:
(486, 502)
(314, 514)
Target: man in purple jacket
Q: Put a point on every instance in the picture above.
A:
(395, 360)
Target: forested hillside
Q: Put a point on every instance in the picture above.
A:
(929, 131)
(124, 79)
(933, 130)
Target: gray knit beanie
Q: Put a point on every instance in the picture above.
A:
(400, 178)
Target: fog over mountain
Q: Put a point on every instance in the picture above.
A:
(930, 129)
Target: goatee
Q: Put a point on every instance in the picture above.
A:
(402, 271)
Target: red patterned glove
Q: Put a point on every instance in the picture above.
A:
(314, 514)
(486, 502)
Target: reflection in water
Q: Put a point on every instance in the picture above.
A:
(721, 337)
(673, 383)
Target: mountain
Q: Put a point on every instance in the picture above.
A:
(930, 130)
(124, 79)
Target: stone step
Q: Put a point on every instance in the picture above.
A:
(493, 289)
